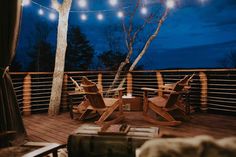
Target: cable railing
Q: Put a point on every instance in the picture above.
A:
(211, 89)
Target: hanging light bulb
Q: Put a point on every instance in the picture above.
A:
(202, 1)
(82, 3)
(170, 4)
(144, 10)
(83, 17)
(40, 11)
(52, 16)
(26, 2)
(100, 16)
(113, 2)
(120, 14)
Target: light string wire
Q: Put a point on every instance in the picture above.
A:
(82, 11)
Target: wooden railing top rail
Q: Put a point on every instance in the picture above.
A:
(100, 71)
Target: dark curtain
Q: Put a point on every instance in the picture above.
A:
(10, 117)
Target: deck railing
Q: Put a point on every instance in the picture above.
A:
(212, 89)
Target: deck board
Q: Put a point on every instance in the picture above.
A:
(41, 127)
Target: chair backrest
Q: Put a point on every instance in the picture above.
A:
(173, 97)
(92, 93)
(181, 83)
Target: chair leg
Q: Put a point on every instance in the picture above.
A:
(107, 113)
(161, 112)
(161, 123)
(85, 114)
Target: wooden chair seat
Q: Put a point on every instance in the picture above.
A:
(158, 100)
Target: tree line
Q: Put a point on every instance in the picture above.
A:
(80, 54)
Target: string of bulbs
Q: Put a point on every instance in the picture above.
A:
(83, 13)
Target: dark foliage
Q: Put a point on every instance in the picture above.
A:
(111, 60)
(79, 53)
(42, 57)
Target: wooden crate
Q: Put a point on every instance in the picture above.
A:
(133, 104)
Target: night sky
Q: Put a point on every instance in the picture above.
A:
(195, 34)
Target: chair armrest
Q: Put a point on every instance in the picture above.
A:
(169, 86)
(115, 89)
(158, 90)
(46, 148)
(149, 89)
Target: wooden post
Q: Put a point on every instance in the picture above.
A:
(100, 87)
(159, 82)
(129, 84)
(203, 79)
(64, 104)
(27, 95)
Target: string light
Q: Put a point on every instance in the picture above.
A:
(120, 14)
(52, 16)
(113, 2)
(170, 4)
(83, 17)
(40, 11)
(82, 3)
(202, 1)
(100, 16)
(144, 10)
(26, 2)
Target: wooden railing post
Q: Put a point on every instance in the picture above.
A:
(64, 104)
(27, 95)
(159, 82)
(203, 80)
(100, 87)
(129, 84)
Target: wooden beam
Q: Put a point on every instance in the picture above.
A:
(129, 83)
(27, 95)
(204, 89)
(159, 82)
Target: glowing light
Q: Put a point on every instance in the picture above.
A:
(26, 2)
(144, 10)
(170, 4)
(100, 16)
(120, 14)
(82, 3)
(113, 2)
(83, 17)
(52, 16)
(203, 1)
(40, 12)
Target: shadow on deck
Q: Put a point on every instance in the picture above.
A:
(41, 127)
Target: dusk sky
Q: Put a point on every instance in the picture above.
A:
(195, 34)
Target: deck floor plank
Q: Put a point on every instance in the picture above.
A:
(41, 127)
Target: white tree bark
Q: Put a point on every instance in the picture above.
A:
(55, 99)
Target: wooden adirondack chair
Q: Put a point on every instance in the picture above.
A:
(103, 106)
(184, 87)
(162, 105)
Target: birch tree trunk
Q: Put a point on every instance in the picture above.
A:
(55, 99)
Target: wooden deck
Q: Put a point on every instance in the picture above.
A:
(40, 127)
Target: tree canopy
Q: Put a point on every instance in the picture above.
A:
(79, 52)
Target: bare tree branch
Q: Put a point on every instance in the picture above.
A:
(56, 5)
(147, 43)
(125, 33)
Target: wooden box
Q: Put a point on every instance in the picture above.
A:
(133, 104)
